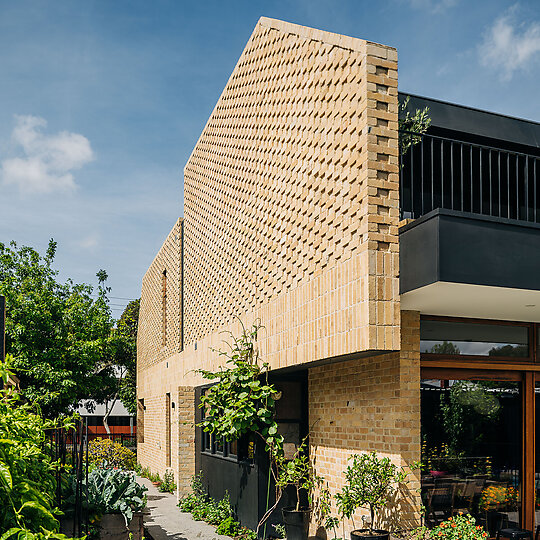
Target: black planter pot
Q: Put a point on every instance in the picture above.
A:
(296, 522)
(363, 534)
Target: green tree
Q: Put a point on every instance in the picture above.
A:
(126, 357)
(59, 334)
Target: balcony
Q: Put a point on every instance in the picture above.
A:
(473, 248)
(445, 173)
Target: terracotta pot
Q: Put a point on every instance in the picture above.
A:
(364, 534)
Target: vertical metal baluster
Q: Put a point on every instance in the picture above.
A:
(499, 176)
(508, 181)
(534, 185)
(422, 173)
(442, 174)
(411, 151)
(462, 194)
(452, 175)
(432, 178)
(517, 189)
(481, 187)
(526, 188)
(490, 185)
(471, 167)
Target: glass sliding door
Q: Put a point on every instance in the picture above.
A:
(472, 449)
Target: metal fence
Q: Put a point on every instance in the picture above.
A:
(69, 447)
(438, 172)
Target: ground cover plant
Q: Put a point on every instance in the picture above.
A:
(217, 513)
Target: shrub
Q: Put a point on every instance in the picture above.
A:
(461, 527)
(104, 452)
(168, 484)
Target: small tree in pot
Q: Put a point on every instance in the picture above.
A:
(370, 481)
(298, 473)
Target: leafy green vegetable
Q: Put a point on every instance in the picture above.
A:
(114, 491)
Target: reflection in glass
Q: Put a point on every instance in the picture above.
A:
(471, 451)
(537, 447)
(446, 337)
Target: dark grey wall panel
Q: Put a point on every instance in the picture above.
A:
(419, 254)
(475, 121)
(457, 247)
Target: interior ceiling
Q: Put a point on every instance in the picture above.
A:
(478, 301)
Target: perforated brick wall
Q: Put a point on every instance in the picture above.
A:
(160, 318)
(291, 213)
(295, 172)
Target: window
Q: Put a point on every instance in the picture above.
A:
(168, 429)
(446, 337)
(140, 420)
(472, 451)
(240, 450)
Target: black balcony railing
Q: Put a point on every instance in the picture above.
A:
(444, 173)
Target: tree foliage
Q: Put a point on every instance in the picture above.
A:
(59, 334)
(411, 126)
(27, 472)
(127, 328)
(370, 481)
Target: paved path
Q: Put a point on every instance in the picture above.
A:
(165, 521)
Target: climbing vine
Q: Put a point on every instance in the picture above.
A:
(241, 401)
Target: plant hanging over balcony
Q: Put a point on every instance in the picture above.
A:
(411, 126)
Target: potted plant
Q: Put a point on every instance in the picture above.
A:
(118, 499)
(298, 473)
(370, 481)
(494, 500)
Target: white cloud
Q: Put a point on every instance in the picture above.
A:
(510, 45)
(90, 241)
(46, 161)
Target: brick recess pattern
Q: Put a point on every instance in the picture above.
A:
(150, 344)
(296, 171)
(291, 215)
(370, 404)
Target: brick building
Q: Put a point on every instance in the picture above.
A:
(369, 271)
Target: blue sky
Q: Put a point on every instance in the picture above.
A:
(101, 103)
